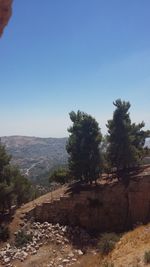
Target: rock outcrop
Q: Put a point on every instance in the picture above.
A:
(109, 207)
(5, 13)
(40, 235)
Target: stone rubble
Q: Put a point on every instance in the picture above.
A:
(43, 233)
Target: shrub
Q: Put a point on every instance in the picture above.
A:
(147, 257)
(4, 233)
(22, 238)
(60, 176)
(107, 264)
(107, 242)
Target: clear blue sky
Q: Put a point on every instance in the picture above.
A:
(63, 55)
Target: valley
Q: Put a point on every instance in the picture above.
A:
(34, 155)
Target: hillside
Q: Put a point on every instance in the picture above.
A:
(35, 156)
(55, 245)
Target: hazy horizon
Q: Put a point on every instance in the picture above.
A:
(32, 136)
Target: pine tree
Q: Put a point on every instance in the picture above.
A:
(126, 140)
(83, 147)
(14, 187)
(5, 183)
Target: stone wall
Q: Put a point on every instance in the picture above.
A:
(5, 13)
(110, 207)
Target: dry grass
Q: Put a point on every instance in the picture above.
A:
(128, 252)
(131, 248)
(89, 260)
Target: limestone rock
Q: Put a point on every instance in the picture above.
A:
(65, 261)
(79, 252)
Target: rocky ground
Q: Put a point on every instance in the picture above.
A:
(62, 246)
(66, 245)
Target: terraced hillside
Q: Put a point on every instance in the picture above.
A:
(53, 247)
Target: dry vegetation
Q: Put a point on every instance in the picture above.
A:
(131, 248)
(128, 251)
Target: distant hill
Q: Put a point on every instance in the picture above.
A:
(35, 156)
(147, 143)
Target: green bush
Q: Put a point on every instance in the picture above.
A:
(107, 242)
(4, 233)
(22, 238)
(60, 176)
(147, 257)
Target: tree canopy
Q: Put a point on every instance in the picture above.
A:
(14, 187)
(125, 139)
(83, 147)
(60, 175)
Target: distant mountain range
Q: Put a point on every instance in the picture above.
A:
(36, 156)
